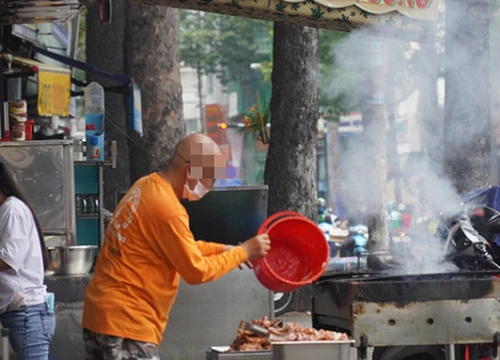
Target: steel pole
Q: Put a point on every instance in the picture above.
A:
(450, 352)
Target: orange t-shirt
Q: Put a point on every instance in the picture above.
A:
(148, 245)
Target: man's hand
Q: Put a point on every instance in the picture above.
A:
(257, 247)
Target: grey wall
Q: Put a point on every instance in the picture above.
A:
(202, 316)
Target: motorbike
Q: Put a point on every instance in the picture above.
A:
(356, 241)
(470, 240)
(282, 302)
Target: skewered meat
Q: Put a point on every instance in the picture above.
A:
(248, 341)
(279, 331)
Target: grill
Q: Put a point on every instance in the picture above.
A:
(402, 310)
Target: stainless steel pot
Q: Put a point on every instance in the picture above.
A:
(71, 260)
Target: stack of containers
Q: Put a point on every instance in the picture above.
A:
(18, 115)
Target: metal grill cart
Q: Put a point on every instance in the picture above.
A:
(380, 310)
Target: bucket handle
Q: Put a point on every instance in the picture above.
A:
(273, 218)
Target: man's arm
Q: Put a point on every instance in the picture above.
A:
(182, 251)
(210, 248)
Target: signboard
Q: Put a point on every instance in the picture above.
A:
(351, 123)
(53, 93)
(213, 117)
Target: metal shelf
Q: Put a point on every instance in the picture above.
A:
(110, 156)
(88, 216)
(94, 163)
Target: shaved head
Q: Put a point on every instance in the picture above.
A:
(202, 154)
(197, 144)
(197, 160)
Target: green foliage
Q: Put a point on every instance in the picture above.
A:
(81, 55)
(256, 121)
(330, 105)
(241, 43)
(197, 40)
(228, 45)
(81, 46)
(82, 38)
(326, 43)
(266, 68)
(224, 45)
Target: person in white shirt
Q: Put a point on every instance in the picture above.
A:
(23, 260)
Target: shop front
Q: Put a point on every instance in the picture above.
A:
(64, 182)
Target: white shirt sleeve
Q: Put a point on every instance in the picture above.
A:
(14, 238)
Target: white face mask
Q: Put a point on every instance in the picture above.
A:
(192, 195)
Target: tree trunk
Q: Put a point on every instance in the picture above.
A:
(393, 155)
(333, 162)
(467, 127)
(431, 128)
(152, 58)
(291, 160)
(199, 75)
(374, 147)
(104, 46)
(431, 131)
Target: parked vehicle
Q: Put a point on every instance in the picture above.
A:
(283, 302)
(356, 241)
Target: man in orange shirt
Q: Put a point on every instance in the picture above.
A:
(147, 248)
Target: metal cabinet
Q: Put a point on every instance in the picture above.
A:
(44, 171)
(88, 203)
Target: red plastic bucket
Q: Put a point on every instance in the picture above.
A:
(299, 252)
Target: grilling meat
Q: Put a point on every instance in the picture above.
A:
(279, 331)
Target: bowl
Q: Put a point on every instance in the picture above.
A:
(71, 260)
(55, 240)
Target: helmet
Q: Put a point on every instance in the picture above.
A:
(321, 203)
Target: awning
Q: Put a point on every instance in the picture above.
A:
(54, 85)
(416, 9)
(409, 19)
(39, 11)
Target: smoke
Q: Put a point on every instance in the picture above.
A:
(413, 72)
